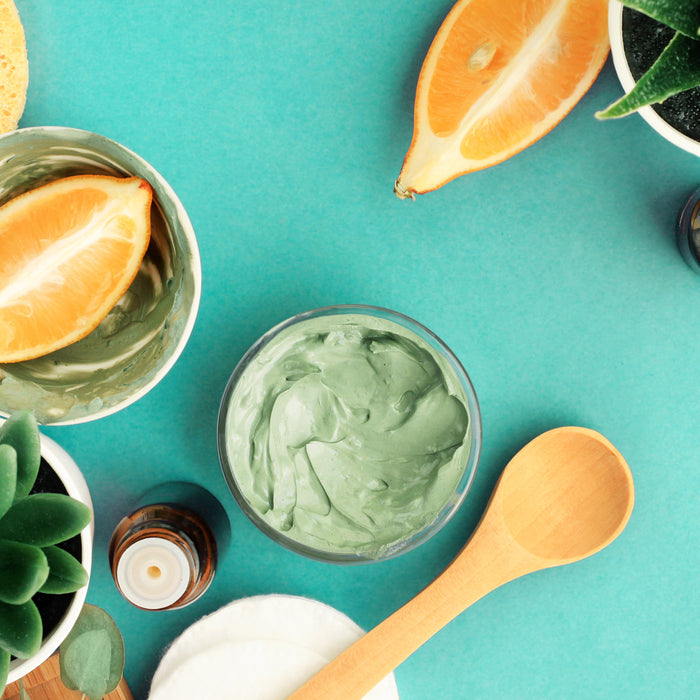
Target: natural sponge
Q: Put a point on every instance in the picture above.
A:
(14, 69)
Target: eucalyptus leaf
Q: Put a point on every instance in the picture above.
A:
(66, 574)
(24, 569)
(20, 431)
(4, 668)
(43, 519)
(87, 659)
(681, 15)
(92, 655)
(20, 629)
(8, 477)
(23, 694)
(677, 69)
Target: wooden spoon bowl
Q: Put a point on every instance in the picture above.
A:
(564, 496)
(566, 511)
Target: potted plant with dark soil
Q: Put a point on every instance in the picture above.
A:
(45, 546)
(656, 51)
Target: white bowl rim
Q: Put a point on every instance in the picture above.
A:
(196, 267)
(74, 481)
(627, 81)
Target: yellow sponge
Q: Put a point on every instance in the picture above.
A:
(14, 69)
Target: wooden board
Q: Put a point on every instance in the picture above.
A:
(44, 683)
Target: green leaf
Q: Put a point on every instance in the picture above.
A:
(23, 694)
(23, 571)
(4, 669)
(681, 15)
(88, 659)
(43, 519)
(92, 655)
(677, 69)
(20, 629)
(66, 573)
(21, 431)
(8, 477)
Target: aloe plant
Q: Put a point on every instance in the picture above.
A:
(31, 527)
(677, 68)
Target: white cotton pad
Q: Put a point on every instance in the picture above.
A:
(251, 670)
(258, 648)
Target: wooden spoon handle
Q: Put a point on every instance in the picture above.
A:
(476, 571)
(564, 496)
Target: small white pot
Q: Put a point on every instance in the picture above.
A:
(627, 81)
(72, 478)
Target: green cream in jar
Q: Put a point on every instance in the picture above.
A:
(346, 433)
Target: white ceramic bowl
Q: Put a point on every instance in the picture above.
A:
(71, 476)
(142, 337)
(627, 81)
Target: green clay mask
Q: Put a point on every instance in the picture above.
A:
(348, 433)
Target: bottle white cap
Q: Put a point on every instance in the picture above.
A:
(153, 573)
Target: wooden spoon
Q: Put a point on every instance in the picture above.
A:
(564, 496)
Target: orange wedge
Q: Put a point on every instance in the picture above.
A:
(68, 251)
(498, 76)
(14, 69)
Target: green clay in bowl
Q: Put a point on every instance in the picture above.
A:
(349, 434)
(143, 335)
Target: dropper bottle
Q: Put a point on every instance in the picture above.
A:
(163, 554)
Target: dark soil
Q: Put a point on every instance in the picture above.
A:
(644, 39)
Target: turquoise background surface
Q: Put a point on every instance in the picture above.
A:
(553, 276)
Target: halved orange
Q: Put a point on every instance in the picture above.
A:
(14, 69)
(68, 251)
(498, 76)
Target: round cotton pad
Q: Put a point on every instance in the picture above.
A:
(262, 670)
(261, 643)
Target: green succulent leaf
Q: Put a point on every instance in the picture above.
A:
(4, 668)
(20, 629)
(677, 69)
(8, 477)
(21, 431)
(681, 15)
(23, 571)
(66, 573)
(43, 519)
(92, 655)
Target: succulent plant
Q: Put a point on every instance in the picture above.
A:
(677, 68)
(31, 527)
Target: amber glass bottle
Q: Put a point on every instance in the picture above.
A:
(163, 554)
